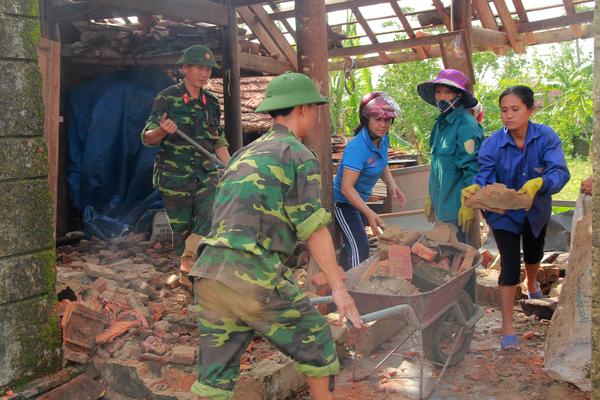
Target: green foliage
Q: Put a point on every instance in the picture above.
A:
(580, 169)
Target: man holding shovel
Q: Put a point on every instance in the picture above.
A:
(186, 177)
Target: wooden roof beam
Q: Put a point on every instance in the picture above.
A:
(268, 34)
(407, 28)
(439, 7)
(390, 46)
(196, 10)
(488, 20)
(510, 26)
(529, 37)
(570, 9)
(558, 22)
(365, 25)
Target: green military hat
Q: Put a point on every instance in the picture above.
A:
(198, 55)
(290, 90)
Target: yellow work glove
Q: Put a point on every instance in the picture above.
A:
(465, 218)
(531, 187)
(468, 191)
(429, 213)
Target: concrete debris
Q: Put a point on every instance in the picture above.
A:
(498, 198)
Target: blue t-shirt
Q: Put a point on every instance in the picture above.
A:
(361, 155)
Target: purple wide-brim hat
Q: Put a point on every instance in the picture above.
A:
(449, 77)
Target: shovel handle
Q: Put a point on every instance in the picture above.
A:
(199, 147)
(374, 316)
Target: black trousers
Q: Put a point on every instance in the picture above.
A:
(509, 246)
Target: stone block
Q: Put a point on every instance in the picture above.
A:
(29, 339)
(377, 333)
(33, 274)
(22, 106)
(32, 159)
(269, 380)
(29, 8)
(25, 216)
(20, 37)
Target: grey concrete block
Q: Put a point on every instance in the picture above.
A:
(20, 37)
(25, 216)
(28, 8)
(21, 104)
(23, 277)
(23, 158)
(29, 339)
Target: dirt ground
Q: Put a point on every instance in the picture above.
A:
(485, 373)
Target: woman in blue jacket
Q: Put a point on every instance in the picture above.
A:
(527, 157)
(365, 160)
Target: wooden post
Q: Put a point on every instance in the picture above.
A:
(312, 60)
(231, 83)
(311, 38)
(461, 13)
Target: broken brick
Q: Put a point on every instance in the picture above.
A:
(183, 355)
(80, 325)
(444, 263)
(423, 251)
(99, 284)
(155, 345)
(400, 261)
(115, 330)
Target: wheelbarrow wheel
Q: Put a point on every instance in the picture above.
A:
(438, 337)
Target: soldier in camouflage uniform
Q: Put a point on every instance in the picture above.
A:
(268, 199)
(187, 179)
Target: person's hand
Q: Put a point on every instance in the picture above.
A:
(166, 125)
(531, 187)
(345, 304)
(429, 213)
(397, 194)
(468, 192)
(376, 223)
(466, 215)
(586, 186)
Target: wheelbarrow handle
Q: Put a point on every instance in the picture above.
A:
(374, 316)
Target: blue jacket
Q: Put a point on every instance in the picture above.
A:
(455, 141)
(500, 160)
(361, 155)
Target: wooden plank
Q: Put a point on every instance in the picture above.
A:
(558, 22)
(393, 58)
(489, 38)
(195, 10)
(268, 65)
(272, 30)
(407, 28)
(49, 63)
(509, 26)
(389, 46)
(529, 37)
(366, 28)
(439, 7)
(79, 11)
(562, 35)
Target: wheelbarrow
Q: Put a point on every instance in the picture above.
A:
(441, 318)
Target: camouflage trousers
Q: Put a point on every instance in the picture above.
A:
(228, 321)
(189, 201)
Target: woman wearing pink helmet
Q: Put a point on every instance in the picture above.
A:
(365, 160)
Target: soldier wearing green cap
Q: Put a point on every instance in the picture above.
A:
(268, 199)
(187, 179)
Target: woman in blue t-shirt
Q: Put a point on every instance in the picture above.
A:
(365, 160)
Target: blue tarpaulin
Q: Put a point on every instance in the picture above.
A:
(110, 171)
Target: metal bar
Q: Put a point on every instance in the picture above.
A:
(200, 148)
(314, 301)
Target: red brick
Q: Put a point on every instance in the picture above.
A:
(424, 252)
(457, 262)
(468, 260)
(178, 379)
(183, 355)
(486, 257)
(400, 261)
(117, 329)
(155, 345)
(99, 284)
(444, 263)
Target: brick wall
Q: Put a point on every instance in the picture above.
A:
(29, 331)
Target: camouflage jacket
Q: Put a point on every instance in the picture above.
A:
(268, 199)
(199, 119)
